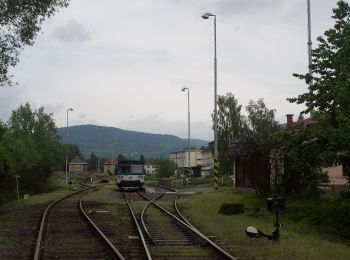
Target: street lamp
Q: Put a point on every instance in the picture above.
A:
(67, 135)
(98, 150)
(189, 131)
(207, 16)
(17, 176)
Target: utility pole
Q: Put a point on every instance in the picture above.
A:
(188, 128)
(309, 43)
(67, 137)
(98, 150)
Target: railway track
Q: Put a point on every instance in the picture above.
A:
(168, 235)
(66, 231)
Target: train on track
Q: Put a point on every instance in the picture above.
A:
(130, 174)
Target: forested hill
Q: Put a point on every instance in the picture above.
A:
(113, 141)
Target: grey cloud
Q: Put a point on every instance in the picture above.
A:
(54, 109)
(72, 32)
(9, 100)
(239, 7)
(154, 124)
(82, 116)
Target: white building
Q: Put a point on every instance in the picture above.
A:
(150, 167)
(180, 158)
(208, 161)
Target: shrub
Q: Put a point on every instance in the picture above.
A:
(345, 194)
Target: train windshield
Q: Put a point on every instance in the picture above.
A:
(124, 169)
(137, 168)
(134, 169)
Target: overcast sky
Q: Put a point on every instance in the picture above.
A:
(122, 63)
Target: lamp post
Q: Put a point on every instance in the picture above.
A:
(189, 129)
(67, 136)
(207, 16)
(17, 176)
(98, 150)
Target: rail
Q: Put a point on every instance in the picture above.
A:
(190, 227)
(113, 249)
(143, 221)
(145, 247)
(43, 220)
(110, 246)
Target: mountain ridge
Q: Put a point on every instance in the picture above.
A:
(111, 141)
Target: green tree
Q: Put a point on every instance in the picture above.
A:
(33, 145)
(166, 168)
(259, 143)
(92, 162)
(73, 151)
(231, 125)
(251, 137)
(328, 97)
(20, 21)
(5, 161)
(301, 163)
(142, 158)
(121, 157)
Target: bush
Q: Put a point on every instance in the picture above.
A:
(328, 215)
(345, 194)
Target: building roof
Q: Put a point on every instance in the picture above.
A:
(77, 160)
(150, 162)
(186, 151)
(291, 122)
(111, 162)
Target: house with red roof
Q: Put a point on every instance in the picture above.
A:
(109, 166)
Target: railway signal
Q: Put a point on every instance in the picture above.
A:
(274, 205)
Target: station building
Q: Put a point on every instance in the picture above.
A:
(77, 165)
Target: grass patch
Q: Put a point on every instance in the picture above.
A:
(298, 241)
(184, 251)
(8, 221)
(7, 241)
(58, 189)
